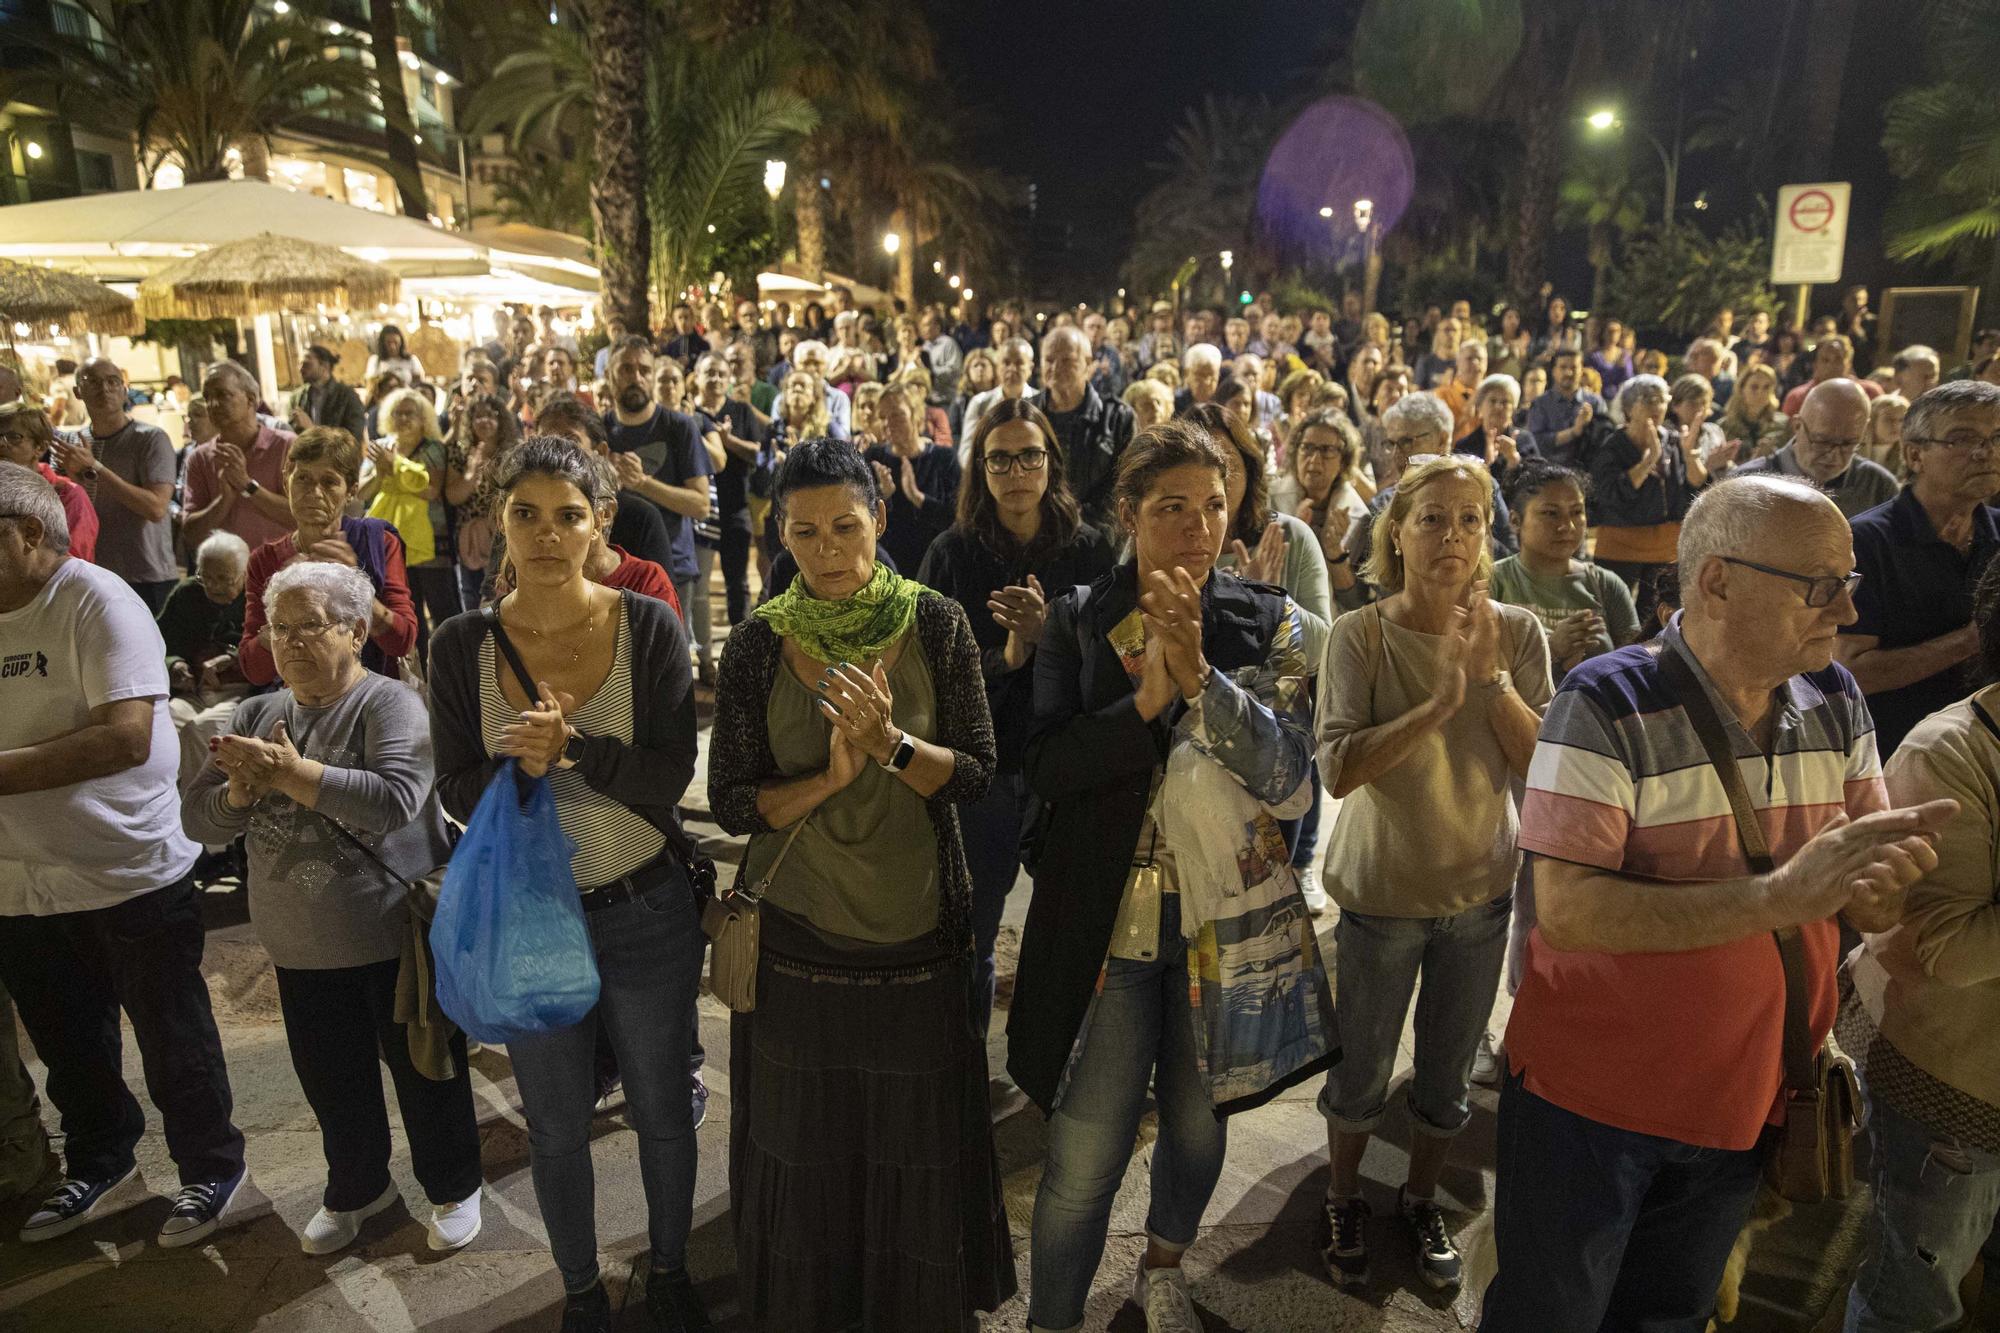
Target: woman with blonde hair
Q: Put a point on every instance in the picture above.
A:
(1151, 402)
(1375, 330)
(980, 372)
(1429, 702)
(1167, 373)
(1883, 441)
(1753, 416)
(404, 485)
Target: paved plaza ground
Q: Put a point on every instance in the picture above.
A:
(1255, 1267)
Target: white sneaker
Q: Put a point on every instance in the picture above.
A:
(1489, 1062)
(453, 1225)
(1163, 1294)
(330, 1231)
(1315, 894)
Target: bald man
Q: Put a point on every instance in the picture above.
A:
(1826, 433)
(1646, 1047)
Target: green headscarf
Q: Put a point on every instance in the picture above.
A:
(853, 629)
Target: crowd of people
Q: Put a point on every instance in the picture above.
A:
(1650, 685)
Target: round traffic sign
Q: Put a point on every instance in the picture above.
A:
(1811, 210)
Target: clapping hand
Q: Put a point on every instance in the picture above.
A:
(1585, 413)
(1267, 565)
(231, 466)
(1863, 867)
(536, 741)
(885, 481)
(1573, 635)
(1171, 603)
(74, 459)
(859, 704)
(909, 485)
(631, 469)
(1022, 610)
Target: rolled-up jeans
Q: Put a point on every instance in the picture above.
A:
(1377, 960)
(1936, 1202)
(649, 964)
(1141, 1029)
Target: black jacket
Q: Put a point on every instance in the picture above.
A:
(968, 571)
(648, 776)
(1091, 758)
(1093, 438)
(332, 403)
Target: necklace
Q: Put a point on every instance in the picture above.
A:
(576, 653)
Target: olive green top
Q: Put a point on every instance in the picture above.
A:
(864, 868)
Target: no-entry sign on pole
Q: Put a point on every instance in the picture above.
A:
(1812, 233)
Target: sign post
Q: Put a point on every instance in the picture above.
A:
(1811, 240)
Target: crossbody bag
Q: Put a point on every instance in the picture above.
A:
(1810, 1157)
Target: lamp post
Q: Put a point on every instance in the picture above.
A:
(1228, 262)
(774, 185)
(1371, 259)
(1604, 120)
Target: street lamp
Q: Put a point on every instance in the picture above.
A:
(774, 177)
(891, 242)
(952, 282)
(937, 266)
(1326, 211)
(1604, 120)
(1371, 262)
(1364, 213)
(965, 292)
(1228, 260)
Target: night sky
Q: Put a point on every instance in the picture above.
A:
(1080, 96)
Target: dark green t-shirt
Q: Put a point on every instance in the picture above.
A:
(1586, 587)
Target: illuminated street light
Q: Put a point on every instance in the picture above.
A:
(952, 282)
(1364, 213)
(937, 266)
(1121, 293)
(1602, 119)
(966, 292)
(711, 229)
(1326, 211)
(1228, 260)
(774, 177)
(891, 242)
(34, 150)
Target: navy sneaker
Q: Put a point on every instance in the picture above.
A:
(700, 1095)
(1437, 1255)
(1346, 1252)
(198, 1210)
(76, 1202)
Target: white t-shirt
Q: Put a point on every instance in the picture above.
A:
(86, 640)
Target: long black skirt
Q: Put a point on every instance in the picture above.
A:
(863, 1185)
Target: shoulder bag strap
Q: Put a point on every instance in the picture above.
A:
(755, 893)
(508, 651)
(1791, 950)
(1985, 718)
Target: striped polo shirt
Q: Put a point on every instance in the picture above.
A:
(1688, 1045)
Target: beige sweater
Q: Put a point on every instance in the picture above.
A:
(1434, 835)
(1932, 984)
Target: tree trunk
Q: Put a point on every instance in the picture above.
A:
(616, 31)
(809, 213)
(256, 157)
(1989, 297)
(906, 260)
(383, 34)
(1828, 36)
(1600, 264)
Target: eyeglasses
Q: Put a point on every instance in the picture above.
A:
(306, 631)
(1407, 442)
(1843, 446)
(1318, 450)
(14, 438)
(1820, 590)
(1028, 460)
(1971, 444)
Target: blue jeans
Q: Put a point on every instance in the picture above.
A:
(1603, 1230)
(1302, 834)
(1936, 1201)
(1140, 1025)
(1376, 963)
(649, 960)
(991, 830)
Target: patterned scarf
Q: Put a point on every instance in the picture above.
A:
(853, 629)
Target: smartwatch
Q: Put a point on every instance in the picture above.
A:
(252, 486)
(900, 757)
(88, 475)
(573, 748)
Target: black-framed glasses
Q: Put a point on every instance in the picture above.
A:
(1970, 444)
(1028, 460)
(1844, 446)
(1820, 589)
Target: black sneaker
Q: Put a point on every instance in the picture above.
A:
(587, 1311)
(198, 1210)
(1346, 1251)
(1437, 1256)
(700, 1094)
(672, 1301)
(75, 1202)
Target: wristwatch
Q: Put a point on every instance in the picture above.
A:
(900, 757)
(88, 475)
(1496, 682)
(573, 747)
(252, 486)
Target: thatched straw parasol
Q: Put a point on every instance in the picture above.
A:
(31, 294)
(261, 275)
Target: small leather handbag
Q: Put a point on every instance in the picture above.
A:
(1809, 1158)
(732, 920)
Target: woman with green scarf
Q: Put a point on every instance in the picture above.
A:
(851, 722)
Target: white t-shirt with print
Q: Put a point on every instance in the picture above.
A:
(86, 640)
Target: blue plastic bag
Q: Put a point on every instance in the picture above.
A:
(513, 954)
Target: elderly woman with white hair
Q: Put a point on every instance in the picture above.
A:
(1493, 439)
(1642, 481)
(1201, 375)
(202, 624)
(331, 779)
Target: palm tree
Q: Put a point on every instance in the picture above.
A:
(546, 190)
(620, 36)
(194, 79)
(1942, 146)
(1214, 160)
(717, 112)
(385, 39)
(1603, 195)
